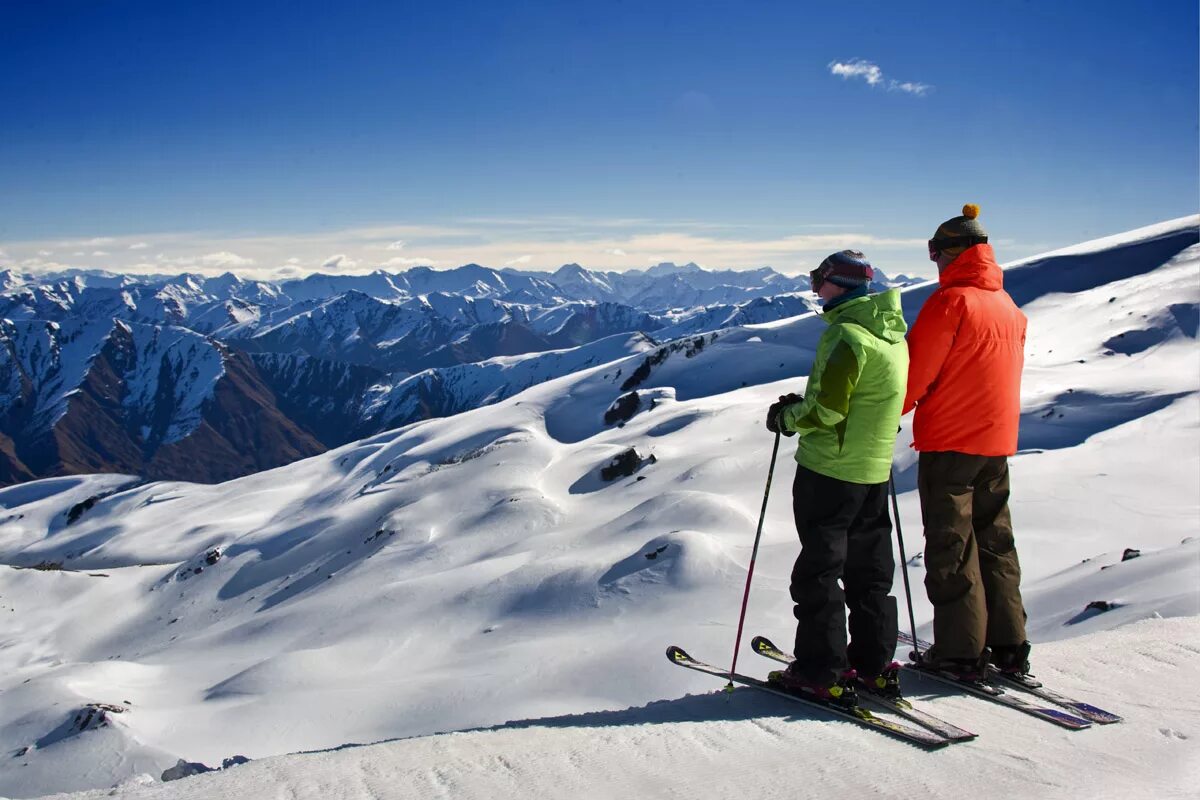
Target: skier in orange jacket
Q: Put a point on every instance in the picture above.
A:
(967, 349)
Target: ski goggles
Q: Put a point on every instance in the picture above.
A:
(817, 277)
(823, 273)
(936, 246)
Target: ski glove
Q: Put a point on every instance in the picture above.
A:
(775, 412)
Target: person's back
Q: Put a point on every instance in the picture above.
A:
(847, 423)
(967, 351)
(858, 447)
(970, 396)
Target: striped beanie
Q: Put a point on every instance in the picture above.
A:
(846, 268)
(958, 233)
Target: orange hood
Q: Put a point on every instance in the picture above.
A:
(975, 267)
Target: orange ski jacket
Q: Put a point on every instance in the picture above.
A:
(966, 352)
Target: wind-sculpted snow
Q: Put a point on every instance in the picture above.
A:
(455, 574)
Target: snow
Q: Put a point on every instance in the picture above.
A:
(1145, 233)
(718, 745)
(479, 383)
(432, 584)
(172, 363)
(53, 357)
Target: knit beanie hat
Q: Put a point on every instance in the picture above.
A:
(958, 233)
(846, 268)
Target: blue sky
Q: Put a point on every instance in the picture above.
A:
(296, 135)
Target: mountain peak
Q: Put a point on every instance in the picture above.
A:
(671, 268)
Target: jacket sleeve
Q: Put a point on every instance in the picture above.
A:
(929, 343)
(831, 403)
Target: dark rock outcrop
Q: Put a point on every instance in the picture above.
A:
(184, 769)
(625, 465)
(91, 717)
(623, 408)
(689, 347)
(323, 397)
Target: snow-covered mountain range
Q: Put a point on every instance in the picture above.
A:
(315, 362)
(484, 572)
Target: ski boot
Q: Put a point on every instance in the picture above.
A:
(972, 670)
(886, 684)
(1012, 660)
(839, 693)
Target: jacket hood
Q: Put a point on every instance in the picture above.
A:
(975, 267)
(878, 313)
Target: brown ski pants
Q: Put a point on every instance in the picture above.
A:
(972, 574)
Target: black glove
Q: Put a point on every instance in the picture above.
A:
(774, 412)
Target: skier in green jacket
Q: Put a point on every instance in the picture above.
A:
(847, 422)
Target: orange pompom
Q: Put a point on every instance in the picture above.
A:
(970, 211)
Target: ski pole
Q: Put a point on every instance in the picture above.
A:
(753, 555)
(912, 621)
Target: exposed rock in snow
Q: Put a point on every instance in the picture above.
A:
(184, 769)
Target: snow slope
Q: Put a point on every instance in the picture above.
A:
(718, 745)
(463, 572)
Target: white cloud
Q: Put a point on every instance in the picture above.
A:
(857, 68)
(99, 252)
(95, 242)
(138, 246)
(919, 89)
(549, 240)
(45, 252)
(397, 245)
(873, 75)
(340, 261)
(224, 259)
(79, 253)
(220, 259)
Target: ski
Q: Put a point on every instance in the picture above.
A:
(998, 695)
(1035, 687)
(765, 647)
(861, 716)
(994, 693)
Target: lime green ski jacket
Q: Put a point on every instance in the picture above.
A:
(851, 410)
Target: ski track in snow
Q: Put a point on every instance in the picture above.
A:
(458, 573)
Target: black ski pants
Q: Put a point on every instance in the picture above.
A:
(846, 537)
